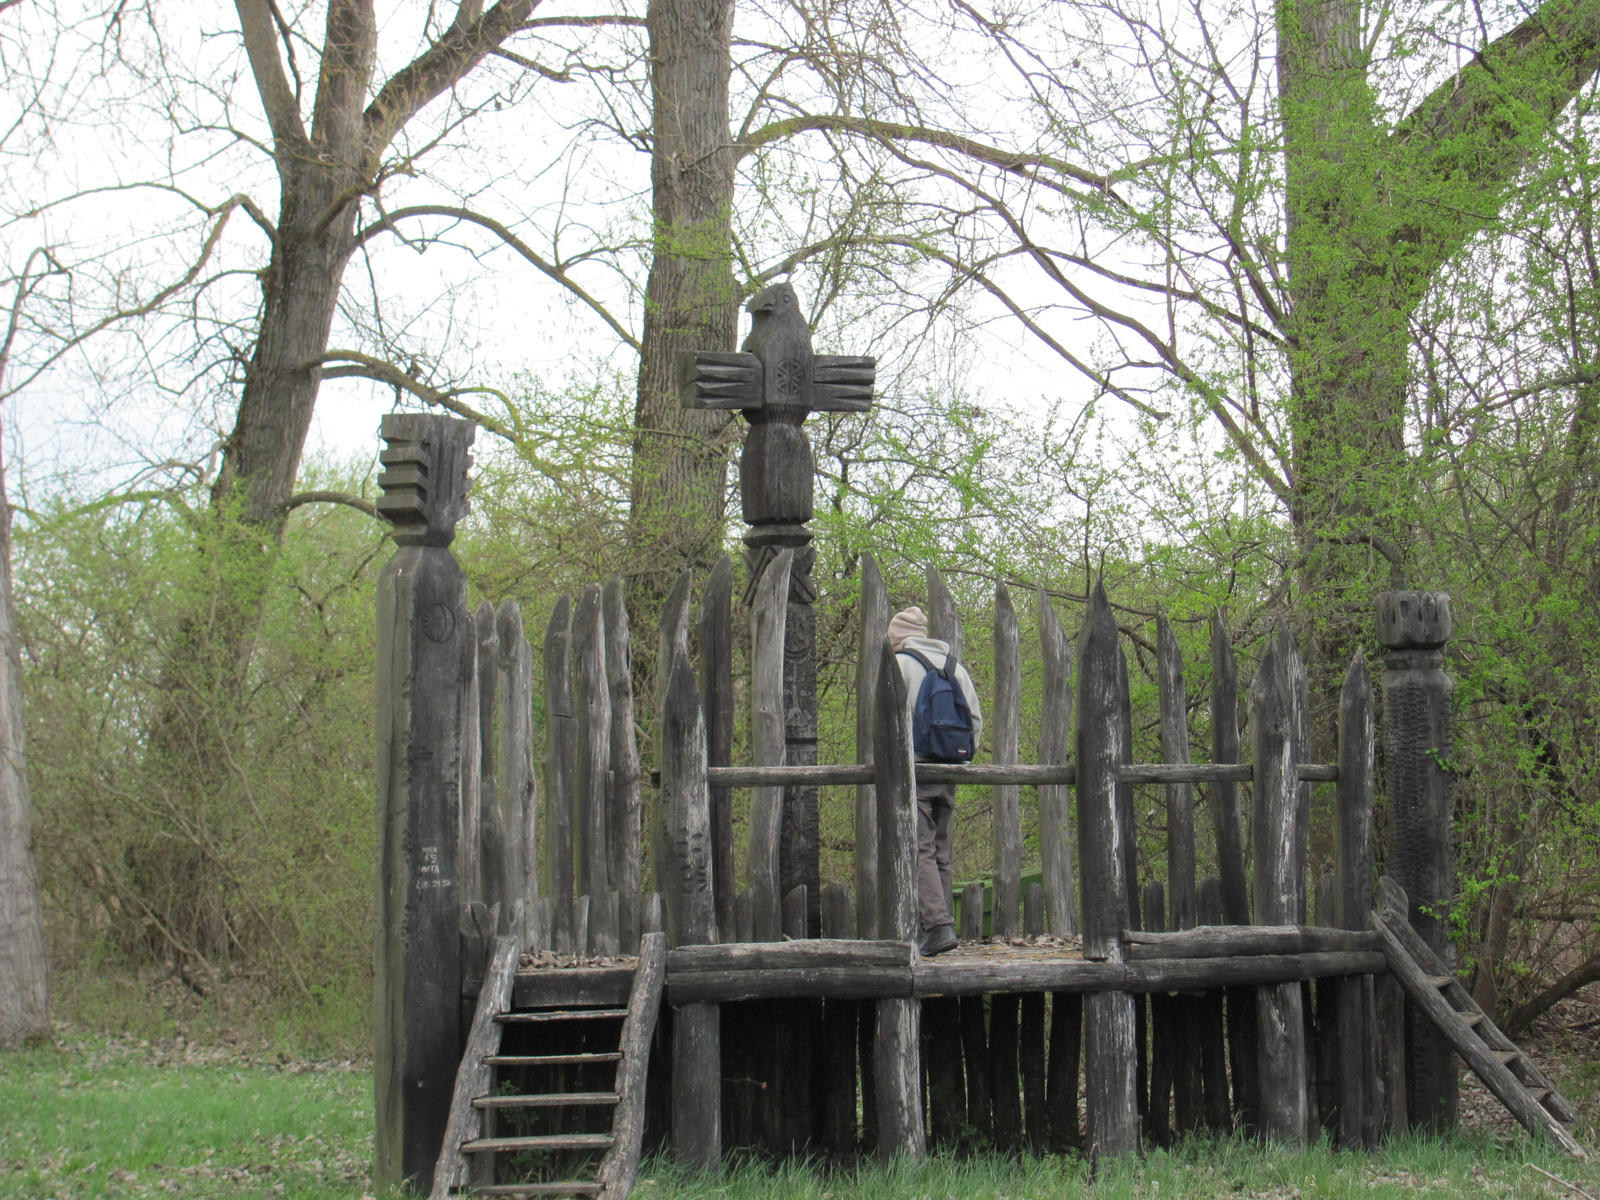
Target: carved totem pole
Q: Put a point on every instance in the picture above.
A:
(777, 381)
(1417, 743)
(425, 653)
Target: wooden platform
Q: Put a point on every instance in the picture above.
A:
(838, 969)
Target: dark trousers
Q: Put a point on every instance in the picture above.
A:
(936, 811)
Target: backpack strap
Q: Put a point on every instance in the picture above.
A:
(928, 666)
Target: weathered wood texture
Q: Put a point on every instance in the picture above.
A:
(1055, 749)
(795, 905)
(1005, 1010)
(1157, 1113)
(1359, 1097)
(874, 625)
(990, 774)
(561, 771)
(839, 1036)
(1275, 697)
(518, 797)
(686, 877)
(716, 688)
(493, 886)
(1005, 734)
(591, 702)
(625, 813)
(1413, 628)
(672, 639)
(423, 674)
(1231, 874)
(1066, 1043)
(1031, 1035)
(768, 619)
(1226, 941)
(472, 1078)
(897, 1066)
(688, 888)
(1213, 1045)
(1112, 1113)
(1182, 893)
(947, 1096)
(621, 1163)
(469, 851)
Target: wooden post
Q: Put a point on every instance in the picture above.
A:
(1231, 876)
(1157, 1125)
(592, 712)
(625, 812)
(1360, 1103)
(493, 882)
(1066, 1041)
(1182, 898)
(422, 682)
(469, 853)
(561, 771)
(1274, 724)
(1323, 1031)
(672, 638)
(1006, 730)
(716, 685)
(874, 626)
(974, 1033)
(896, 1059)
(1413, 628)
(768, 616)
(1213, 1049)
(944, 623)
(1031, 1036)
(518, 800)
(839, 1036)
(1128, 838)
(691, 916)
(1055, 748)
(1112, 1107)
(947, 1098)
(1005, 1011)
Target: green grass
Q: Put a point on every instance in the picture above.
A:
(125, 1117)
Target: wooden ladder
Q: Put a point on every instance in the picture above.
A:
(474, 1094)
(1506, 1071)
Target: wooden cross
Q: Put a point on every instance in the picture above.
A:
(776, 382)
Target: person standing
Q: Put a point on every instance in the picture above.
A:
(919, 655)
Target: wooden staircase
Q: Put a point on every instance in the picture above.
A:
(475, 1104)
(1507, 1072)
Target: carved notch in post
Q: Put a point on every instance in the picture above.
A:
(426, 652)
(777, 381)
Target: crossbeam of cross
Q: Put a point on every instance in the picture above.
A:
(776, 381)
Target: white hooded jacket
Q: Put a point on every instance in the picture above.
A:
(938, 653)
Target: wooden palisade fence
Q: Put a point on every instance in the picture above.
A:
(1196, 1004)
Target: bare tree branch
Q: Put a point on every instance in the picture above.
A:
(277, 98)
(345, 498)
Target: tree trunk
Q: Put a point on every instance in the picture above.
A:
(24, 984)
(680, 457)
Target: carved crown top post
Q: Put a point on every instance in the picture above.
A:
(1413, 620)
(424, 479)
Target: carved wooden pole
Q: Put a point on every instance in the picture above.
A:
(777, 381)
(424, 670)
(1413, 628)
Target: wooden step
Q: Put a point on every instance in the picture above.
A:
(562, 1014)
(540, 1060)
(1473, 1019)
(577, 1187)
(547, 1100)
(1441, 981)
(1507, 1056)
(560, 1141)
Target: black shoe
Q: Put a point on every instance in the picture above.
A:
(937, 940)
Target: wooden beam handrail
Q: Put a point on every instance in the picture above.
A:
(981, 774)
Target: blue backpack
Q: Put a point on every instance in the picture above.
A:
(941, 722)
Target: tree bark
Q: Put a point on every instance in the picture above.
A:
(680, 457)
(24, 981)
